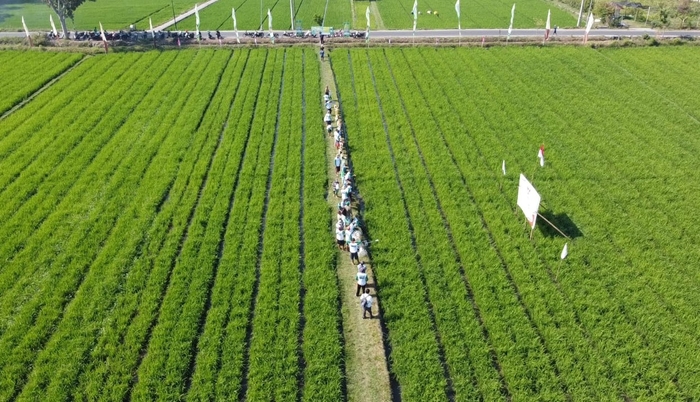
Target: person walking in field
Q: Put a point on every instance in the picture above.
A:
(340, 238)
(361, 278)
(338, 162)
(354, 248)
(327, 118)
(361, 267)
(336, 187)
(366, 304)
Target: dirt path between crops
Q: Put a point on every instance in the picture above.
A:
(365, 363)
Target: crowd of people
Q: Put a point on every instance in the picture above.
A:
(348, 233)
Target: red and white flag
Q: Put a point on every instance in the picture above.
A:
(540, 154)
(26, 31)
(547, 27)
(589, 25)
(53, 27)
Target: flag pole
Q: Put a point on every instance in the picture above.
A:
(552, 225)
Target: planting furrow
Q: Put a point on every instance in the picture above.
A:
(98, 292)
(495, 383)
(435, 384)
(273, 361)
(52, 174)
(209, 360)
(458, 148)
(150, 272)
(163, 372)
(45, 108)
(37, 87)
(640, 293)
(47, 220)
(23, 86)
(415, 364)
(436, 256)
(70, 269)
(132, 331)
(29, 145)
(300, 88)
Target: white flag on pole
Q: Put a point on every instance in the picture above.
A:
(196, 19)
(235, 25)
(540, 155)
(565, 251)
(368, 23)
(53, 26)
(104, 38)
(512, 16)
(269, 23)
(589, 25)
(528, 200)
(26, 31)
(503, 167)
(459, 22)
(150, 22)
(415, 14)
(547, 27)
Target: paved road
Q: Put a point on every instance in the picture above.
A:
(478, 33)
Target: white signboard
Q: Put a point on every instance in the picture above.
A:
(528, 200)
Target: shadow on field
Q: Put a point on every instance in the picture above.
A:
(561, 221)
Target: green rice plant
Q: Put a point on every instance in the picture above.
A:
(18, 83)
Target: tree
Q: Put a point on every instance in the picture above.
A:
(64, 9)
(605, 11)
(685, 10)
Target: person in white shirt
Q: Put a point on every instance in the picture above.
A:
(361, 279)
(354, 248)
(340, 238)
(366, 303)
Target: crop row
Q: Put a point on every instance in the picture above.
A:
(512, 263)
(610, 322)
(479, 14)
(54, 234)
(646, 203)
(273, 344)
(119, 347)
(251, 16)
(528, 282)
(21, 77)
(414, 354)
(161, 244)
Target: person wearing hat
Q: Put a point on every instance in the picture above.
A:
(361, 279)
